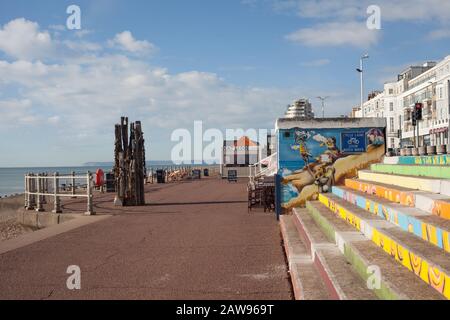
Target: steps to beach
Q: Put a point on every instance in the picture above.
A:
(395, 282)
(391, 223)
(418, 222)
(426, 261)
(433, 203)
(434, 185)
(431, 171)
(318, 269)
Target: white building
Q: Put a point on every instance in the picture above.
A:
(428, 84)
(301, 108)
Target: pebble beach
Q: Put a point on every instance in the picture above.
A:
(9, 227)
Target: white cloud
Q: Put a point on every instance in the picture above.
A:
(16, 112)
(90, 94)
(391, 10)
(335, 34)
(316, 63)
(439, 34)
(81, 45)
(22, 39)
(125, 41)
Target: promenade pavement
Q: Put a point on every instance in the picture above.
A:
(193, 240)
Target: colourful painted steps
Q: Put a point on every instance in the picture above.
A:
(426, 261)
(396, 282)
(343, 281)
(306, 280)
(432, 171)
(418, 222)
(434, 185)
(440, 160)
(318, 270)
(432, 203)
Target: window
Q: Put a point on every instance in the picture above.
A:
(391, 91)
(391, 106)
(391, 124)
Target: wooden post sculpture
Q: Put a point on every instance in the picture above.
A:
(129, 164)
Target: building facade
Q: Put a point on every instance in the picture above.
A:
(301, 108)
(428, 84)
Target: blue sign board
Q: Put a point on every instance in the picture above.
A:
(353, 142)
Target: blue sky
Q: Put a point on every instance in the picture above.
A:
(232, 64)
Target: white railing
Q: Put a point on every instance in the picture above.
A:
(41, 185)
(257, 170)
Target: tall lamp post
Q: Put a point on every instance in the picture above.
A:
(361, 73)
(323, 104)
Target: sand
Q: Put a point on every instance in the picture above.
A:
(9, 227)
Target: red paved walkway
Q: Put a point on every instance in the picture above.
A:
(194, 241)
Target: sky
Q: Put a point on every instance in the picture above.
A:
(228, 63)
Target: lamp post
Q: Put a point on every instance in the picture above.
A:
(361, 73)
(323, 104)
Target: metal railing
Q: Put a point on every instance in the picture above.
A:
(42, 185)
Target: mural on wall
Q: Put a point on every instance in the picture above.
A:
(312, 160)
(431, 275)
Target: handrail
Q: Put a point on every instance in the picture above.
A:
(37, 188)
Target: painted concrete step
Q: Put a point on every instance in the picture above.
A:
(430, 228)
(429, 263)
(306, 279)
(433, 203)
(440, 160)
(442, 172)
(395, 282)
(434, 185)
(342, 281)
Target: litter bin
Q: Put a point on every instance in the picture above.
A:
(206, 172)
(196, 174)
(110, 182)
(160, 176)
(232, 176)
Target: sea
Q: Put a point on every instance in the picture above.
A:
(12, 179)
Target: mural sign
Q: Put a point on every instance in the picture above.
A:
(353, 142)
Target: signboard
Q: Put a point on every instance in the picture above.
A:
(353, 142)
(232, 175)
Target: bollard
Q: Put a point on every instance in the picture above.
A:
(90, 207)
(57, 200)
(39, 207)
(73, 185)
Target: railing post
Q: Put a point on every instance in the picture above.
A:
(31, 189)
(57, 201)
(73, 185)
(27, 195)
(39, 207)
(44, 187)
(90, 207)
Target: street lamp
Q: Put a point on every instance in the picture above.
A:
(323, 104)
(361, 72)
